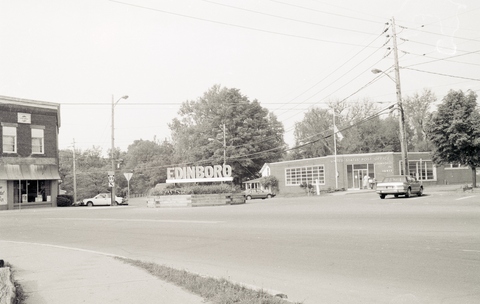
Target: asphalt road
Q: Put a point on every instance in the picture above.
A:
(352, 248)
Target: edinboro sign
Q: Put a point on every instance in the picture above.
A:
(199, 174)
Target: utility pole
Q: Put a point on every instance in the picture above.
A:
(403, 138)
(112, 152)
(112, 155)
(224, 147)
(74, 175)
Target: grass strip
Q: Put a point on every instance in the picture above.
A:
(20, 296)
(215, 291)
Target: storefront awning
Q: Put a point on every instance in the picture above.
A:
(28, 172)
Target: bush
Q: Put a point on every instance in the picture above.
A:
(195, 189)
(64, 200)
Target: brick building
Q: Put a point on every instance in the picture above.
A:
(29, 174)
(352, 168)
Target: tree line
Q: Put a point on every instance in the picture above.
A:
(224, 125)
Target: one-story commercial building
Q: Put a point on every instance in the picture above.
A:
(348, 171)
(29, 175)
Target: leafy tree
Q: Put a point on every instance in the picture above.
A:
(147, 160)
(455, 131)
(362, 131)
(310, 134)
(253, 135)
(91, 172)
(372, 135)
(417, 115)
(269, 182)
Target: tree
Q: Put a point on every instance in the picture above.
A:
(455, 131)
(253, 136)
(148, 161)
(417, 114)
(310, 134)
(362, 129)
(91, 172)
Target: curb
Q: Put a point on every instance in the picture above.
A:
(7, 288)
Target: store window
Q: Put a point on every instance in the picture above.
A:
(456, 166)
(299, 175)
(29, 191)
(37, 141)
(9, 139)
(421, 169)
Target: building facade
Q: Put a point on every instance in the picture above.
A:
(350, 171)
(29, 175)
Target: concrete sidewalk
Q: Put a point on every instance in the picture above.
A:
(58, 275)
(428, 189)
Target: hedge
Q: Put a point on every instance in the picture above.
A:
(64, 200)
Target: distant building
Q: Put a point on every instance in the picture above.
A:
(29, 175)
(352, 169)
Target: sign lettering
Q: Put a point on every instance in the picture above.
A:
(199, 174)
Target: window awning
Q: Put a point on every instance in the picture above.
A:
(28, 172)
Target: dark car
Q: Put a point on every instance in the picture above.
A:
(255, 193)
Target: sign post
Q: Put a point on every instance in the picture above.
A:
(111, 183)
(128, 176)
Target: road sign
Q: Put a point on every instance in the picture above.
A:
(111, 178)
(128, 176)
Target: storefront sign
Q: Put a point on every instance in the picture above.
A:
(199, 174)
(24, 118)
(3, 192)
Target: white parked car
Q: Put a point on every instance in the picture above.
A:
(102, 199)
(399, 185)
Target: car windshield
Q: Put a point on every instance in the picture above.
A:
(391, 179)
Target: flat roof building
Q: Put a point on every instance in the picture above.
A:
(350, 171)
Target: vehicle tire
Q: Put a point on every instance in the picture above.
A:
(420, 192)
(90, 204)
(269, 196)
(408, 193)
(396, 195)
(116, 203)
(249, 197)
(382, 196)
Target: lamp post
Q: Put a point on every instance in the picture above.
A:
(112, 152)
(401, 119)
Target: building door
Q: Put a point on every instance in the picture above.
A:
(356, 172)
(358, 175)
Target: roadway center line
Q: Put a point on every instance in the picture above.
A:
(133, 220)
(462, 198)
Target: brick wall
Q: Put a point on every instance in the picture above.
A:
(39, 117)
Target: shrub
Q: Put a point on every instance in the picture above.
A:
(270, 182)
(64, 200)
(195, 189)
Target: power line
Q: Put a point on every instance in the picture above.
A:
(233, 25)
(444, 59)
(441, 74)
(289, 19)
(323, 12)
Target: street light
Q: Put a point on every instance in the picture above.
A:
(401, 119)
(112, 154)
(224, 146)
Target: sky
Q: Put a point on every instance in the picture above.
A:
(290, 55)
